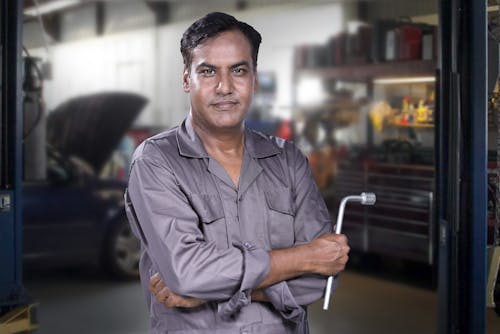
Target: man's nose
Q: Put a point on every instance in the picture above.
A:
(225, 84)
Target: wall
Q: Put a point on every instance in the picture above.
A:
(148, 61)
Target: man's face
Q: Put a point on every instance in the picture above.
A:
(221, 81)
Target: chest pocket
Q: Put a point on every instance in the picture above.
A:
(280, 218)
(211, 214)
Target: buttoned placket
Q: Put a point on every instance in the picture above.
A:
(226, 190)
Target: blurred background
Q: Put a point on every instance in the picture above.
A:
(353, 83)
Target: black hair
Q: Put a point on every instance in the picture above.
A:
(211, 25)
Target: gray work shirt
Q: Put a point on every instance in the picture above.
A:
(210, 239)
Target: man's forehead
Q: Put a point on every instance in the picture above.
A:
(223, 46)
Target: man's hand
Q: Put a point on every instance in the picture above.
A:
(259, 295)
(329, 254)
(166, 297)
(326, 255)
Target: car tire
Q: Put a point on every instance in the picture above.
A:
(122, 252)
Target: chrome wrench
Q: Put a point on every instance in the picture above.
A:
(365, 199)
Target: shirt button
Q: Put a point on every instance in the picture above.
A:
(240, 199)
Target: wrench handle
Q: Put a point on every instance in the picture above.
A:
(365, 199)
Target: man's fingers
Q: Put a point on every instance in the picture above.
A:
(340, 238)
(343, 260)
(156, 284)
(166, 297)
(163, 295)
(173, 301)
(178, 301)
(185, 302)
(153, 280)
(344, 249)
(158, 287)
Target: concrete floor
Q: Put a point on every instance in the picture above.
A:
(83, 302)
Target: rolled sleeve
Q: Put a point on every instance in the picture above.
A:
(252, 276)
(312, 219)
(189, 265)
(284, 301)
(290, 297)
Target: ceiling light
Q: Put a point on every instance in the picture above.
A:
(404, 80)
(50, 7)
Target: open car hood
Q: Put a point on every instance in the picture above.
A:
(91, 126)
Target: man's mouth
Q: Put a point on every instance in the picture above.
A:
(224, 104)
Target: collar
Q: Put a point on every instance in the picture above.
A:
(257, 144)
(188, 142)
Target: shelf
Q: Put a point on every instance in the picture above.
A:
(341, 106)
(362, 72)
(391, 167)
(417, 125)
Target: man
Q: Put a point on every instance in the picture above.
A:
(235, 235)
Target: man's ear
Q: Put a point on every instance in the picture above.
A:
(185, 80)
(255, 83)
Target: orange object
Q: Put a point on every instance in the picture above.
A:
(285, 130)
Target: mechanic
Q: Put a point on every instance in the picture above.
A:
(235, 235)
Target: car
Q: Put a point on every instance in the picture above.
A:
(74, 216)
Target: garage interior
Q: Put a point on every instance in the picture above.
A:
(367, 89)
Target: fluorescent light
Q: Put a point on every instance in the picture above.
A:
(50, 7)
(404, 80)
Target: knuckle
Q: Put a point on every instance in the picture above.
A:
(170, 302)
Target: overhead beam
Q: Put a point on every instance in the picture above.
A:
(161, 10)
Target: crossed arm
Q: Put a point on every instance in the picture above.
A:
(326, 255)
(313, 254)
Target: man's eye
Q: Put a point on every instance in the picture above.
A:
(208, 71)
(239, 70)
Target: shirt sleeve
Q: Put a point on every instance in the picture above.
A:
(312, 219)
(170, 233)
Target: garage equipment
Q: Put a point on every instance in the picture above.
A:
(366, 199)
(20, 320)
(16, 312)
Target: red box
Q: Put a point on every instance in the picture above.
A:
(410, 42)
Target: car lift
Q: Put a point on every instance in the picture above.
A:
(17, 314)
(19, 320)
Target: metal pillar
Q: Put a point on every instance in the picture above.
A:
(11, 290)
(462, 166)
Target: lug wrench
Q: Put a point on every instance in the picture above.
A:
(365, 199)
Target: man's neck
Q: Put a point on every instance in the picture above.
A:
(223, 142)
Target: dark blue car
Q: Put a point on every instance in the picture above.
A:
(73, 216)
